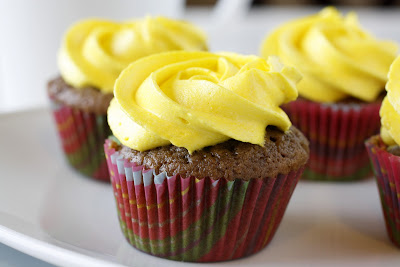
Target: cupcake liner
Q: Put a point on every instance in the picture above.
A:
(82, 136)
(387, 172)
(197, 220)
(336, 133)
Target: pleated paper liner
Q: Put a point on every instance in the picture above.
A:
(387, 172)
(197, 220)
(82, 136)
(336, 133)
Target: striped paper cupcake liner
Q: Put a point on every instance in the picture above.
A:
(197, 220)
(387, 172)
(336, 133)
(82, 136)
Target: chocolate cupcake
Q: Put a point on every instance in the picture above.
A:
(92, 55)
(344, 73)
(203, 161)
(384, 152)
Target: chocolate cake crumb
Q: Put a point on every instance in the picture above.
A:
(394, 150)
(88, 99)
(281, 154)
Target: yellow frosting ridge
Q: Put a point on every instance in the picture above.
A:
(199, 99)
(336, 56)
(390, 110)
(94, 51)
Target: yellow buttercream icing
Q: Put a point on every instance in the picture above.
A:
(336, 56)
(94, 52)
(198, 99)
(390, 110)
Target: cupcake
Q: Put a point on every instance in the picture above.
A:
(384, 152)
(202, 160)
(92, 55)
(344, 72)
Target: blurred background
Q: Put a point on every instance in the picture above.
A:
(31, 31)
(305, 2)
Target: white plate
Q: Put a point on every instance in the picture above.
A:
(52, 213)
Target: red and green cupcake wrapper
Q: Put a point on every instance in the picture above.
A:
(197, 220)
(387, 172)
(336, 133)
(82, 136)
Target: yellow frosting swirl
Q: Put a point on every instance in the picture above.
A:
(390, 110)
(198, 99)
(94, 52)
(336, 56)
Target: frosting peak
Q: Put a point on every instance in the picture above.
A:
(198, 99)
(94, 51)
(337, 58)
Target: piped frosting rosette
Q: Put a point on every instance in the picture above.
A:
(390, 110)
(198, 99)
(338, 59)
(95, 51)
